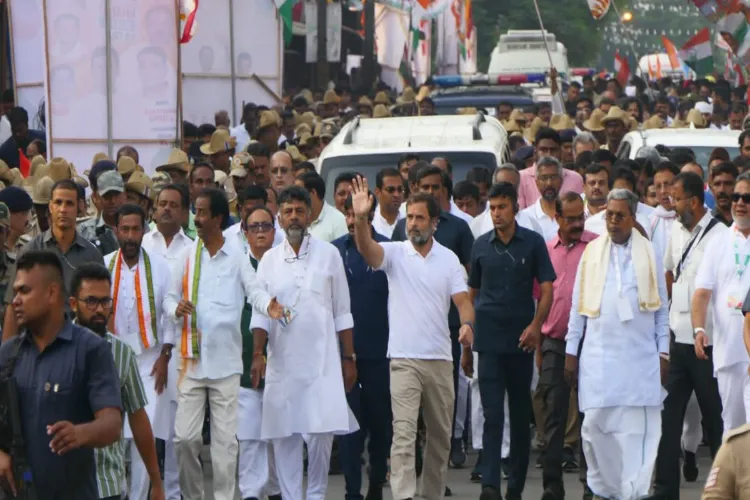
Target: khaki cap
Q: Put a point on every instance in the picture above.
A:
(178, 160)
(297, 157)
(126, 165)
(614, 114)
(142, 184)
(42, 192)
(220, 141)
(561, 122)
(696, 118)
(306, 139)
(5, 175)
(17, 177)
(408, 96)
(302, 128)
(241, 159)
(59, 169)
(594, 123)
(220, 178)
(331, 97)
(364, 101)
(36, 163)
(380, 111)
(268, 119)
(99, 157)
(307, 117)
(81, 181)
(382, 98)
(530, 132)
(466, 111)
(424, 91)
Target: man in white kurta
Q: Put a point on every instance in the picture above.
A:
(141, 321)
(626, 343)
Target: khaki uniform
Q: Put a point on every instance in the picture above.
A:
(13, 253)
(730, 474)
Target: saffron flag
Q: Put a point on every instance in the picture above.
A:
(674, 58)
(188, 11)
(622, 69)
(598, 8)
(24, 165)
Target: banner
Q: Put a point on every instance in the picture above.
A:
(27, 42)
(391, 35)
(421, 57)
(446, 54)
(333, 31)
(143, 85)
(232, 29)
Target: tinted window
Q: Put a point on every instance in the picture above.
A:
(370, 165)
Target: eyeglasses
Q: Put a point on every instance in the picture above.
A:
(674, 200)
(280, 171)
(615, 216)
(548, 178)
(394, 189)
(744, 197)
(260, 227)
(573, 220)
(92, 303)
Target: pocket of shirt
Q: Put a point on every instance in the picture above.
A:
(56, 404)
(320, 285)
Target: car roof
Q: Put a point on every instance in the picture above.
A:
(482, 96)
(686, 137)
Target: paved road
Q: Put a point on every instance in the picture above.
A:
(463, 489)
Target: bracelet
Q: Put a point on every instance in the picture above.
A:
(469, 325)
(255, 354)
(664, 356)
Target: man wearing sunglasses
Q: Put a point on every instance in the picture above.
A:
(389, 191)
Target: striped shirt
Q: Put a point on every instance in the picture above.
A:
(110, 461)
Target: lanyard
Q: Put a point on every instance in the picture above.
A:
(740, 268)
(688, 252)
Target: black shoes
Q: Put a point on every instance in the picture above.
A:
(569, 464)
(458, 455)
(690, 467)
(490, 493)
(505, 466)
(476, 474)
(552, 494)
(374, 493)
(448, 492)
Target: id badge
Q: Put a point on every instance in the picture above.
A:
(735, 299)
(624, 311)
(287, 317)
(681, 297)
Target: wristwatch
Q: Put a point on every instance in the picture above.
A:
(696, 331)
(353, 357)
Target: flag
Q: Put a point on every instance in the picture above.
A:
(734, 30)
(24, 165)
(674, 58)
(714, 10)
(622, 69)
(598, 8)
(188, 11)
(286, 8)
(697, 53)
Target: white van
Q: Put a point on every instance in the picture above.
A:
(367, 145)
(523, 51)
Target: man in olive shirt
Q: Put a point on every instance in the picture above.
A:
(62, 239)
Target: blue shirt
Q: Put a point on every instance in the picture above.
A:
(368, 290)
(455, 234)
(504, 275)
(74, 377)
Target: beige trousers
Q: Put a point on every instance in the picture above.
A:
(192, 396)
(429, 383)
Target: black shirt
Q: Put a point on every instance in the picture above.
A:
(718, 215)
(504, 276)
(455, 234)
(9, 149)
(74, 377)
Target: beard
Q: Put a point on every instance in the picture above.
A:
(295, 233)
(97, 324)
(549, 194)
(419, 238)
(741, 222)
(687, 218)
(130, 248)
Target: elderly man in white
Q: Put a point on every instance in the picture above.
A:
(304, 400)
(620, 300)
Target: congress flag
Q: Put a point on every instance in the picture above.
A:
(599, 8)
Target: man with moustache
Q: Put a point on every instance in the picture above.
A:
(723, 284)
(304, 400)
(596, 186)
(687, 373)
(207, 298)
(549, 175)
(370, 399)
(257, 472)
(169, 239)
(140, 284)
(660, 221)
(282, 170)
(721, 181)
(91, 290)
(109, 196)
(247, 199)
(565, 251)
(389, 191)
(423, 278)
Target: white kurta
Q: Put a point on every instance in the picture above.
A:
(659, 230)
(126, 328)
(304, 391)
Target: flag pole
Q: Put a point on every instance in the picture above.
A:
(546, 47)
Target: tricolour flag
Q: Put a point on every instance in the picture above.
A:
(622, 69)
(697, 53)
(286, 13)
(674, 58)
(598, 8)
(188, 11)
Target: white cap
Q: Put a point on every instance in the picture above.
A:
(704, 108)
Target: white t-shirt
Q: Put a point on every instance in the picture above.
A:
(419, 298)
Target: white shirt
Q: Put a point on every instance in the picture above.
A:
(719, 275)
(5, 131)
(381, 225)
(619, 362)
(548, 224)
(226, 279)
(596, 223)
(236, 233)
(155, 244)
(659, 228)
(330, 224)
(243, 138)
(304, 390)
(454, 210)
(683, 290)
(419, 298)
(482, 223)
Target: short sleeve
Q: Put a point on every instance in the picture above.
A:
(390, 253)
(543, 270)
(134, 395)
(102, 381)
(722, 480)
(475, 268)
(457, 276)
(706, 277)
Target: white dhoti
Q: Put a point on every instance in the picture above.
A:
(254, 466)
(477, 412)
(462, 404)
(621, 444)
(692, 428)
(734, 389)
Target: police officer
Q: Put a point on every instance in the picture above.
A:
(19, 204)
(68, 388)
(109, 195)
(727, 479)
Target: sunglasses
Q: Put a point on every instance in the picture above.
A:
(260, 227)
(744, 197)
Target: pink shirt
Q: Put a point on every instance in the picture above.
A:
(565, 262)
(528, 193)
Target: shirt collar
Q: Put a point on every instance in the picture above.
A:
(322, 214)
(518, 233)
(65, 333)
(586, 237)
(304, 248)
(79, 240)
(413, 251)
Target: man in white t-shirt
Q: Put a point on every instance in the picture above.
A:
(423, 278)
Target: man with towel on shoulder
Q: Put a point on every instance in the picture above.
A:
(620, 300)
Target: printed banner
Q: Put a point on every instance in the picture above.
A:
(27, 41)
(333, 31)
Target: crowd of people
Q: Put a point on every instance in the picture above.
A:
(600, 298)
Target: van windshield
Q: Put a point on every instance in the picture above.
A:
(370, 165)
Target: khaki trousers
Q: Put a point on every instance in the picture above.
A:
(429, 383)
(572, 427)
(192, 396)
